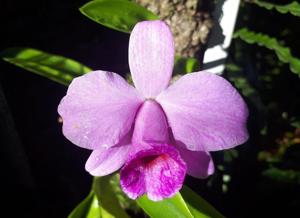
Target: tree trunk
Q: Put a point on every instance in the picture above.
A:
(190, 21)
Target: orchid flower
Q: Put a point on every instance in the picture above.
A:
(156, 131)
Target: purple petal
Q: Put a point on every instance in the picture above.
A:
(150, 124)
(98, 110)
(199, 163)
(151, 57)
(158, 171)
(205, 112)
(104, 161)
(132, 178)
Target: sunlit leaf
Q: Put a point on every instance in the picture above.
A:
(109, 202)
(174, 207)
(293, 8)
(283, 53)
(88, 208)
(54, 67)
(117, 14)
(197, 205)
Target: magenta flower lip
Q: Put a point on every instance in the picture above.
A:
(158, 171)
(199, 113)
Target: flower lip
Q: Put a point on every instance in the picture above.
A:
(157, 170)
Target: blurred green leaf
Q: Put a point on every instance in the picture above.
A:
(283, 53)
(240, 82)
(174, 207)
(110, 205)
(233, 67)
(280, 175)
(230, 155)
(293, 8)
(269, 157)
(197, 205)
(88, 208)
(125, 202)
(192, 65)
(295, 122)
(54, 67)
(185, 65)
(120, 15)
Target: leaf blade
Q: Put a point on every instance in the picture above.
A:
(185, 65)
(198, 206)
(170, 207)
(283, 53)
(55, 67)
(88, 208)
(292, 8)
(116, 14)
(110, 205)
(288, 176)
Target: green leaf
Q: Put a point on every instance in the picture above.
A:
(281, 175)
(184, 204)
(54, 67)
(293, 8)
(88, 208)
(125, 202)
(185, 65)
(116, 14)
(283, 53)
(171, 207)
(110, 205)
(197, 205)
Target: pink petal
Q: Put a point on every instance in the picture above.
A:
(132, 178)
(158, 171)
(104, 161)
(199, 163)
(98, 110)
(205, 112)
(150, 124)
(151, 57)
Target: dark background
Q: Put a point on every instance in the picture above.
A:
(42, 174)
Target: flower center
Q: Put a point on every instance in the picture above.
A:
(150, 124)
(151, 161)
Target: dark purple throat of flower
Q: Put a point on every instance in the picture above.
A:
(158, 171)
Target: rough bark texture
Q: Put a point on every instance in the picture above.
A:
(190, 21)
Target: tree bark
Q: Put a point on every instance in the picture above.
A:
(190, 21)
